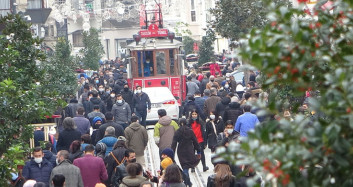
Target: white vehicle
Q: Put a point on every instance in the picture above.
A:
(161, 98)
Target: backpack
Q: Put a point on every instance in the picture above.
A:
(116, 178)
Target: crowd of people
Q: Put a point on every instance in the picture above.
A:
(102, 136)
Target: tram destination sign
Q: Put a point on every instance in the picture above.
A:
(153, 31)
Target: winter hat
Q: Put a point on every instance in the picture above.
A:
(169, 152)
(166, 162)
(101, 148)
(121, 138)
(95, 119)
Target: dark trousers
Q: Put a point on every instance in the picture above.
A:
(142, 114)
(203, 161)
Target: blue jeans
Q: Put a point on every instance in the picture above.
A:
(142, 114)
(187, 177)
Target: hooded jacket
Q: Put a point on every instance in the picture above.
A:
(164, 131)
(96, 101)
(121, 112)
(109, 141)
(136, 138)
(232, 112)
(50, 157)
(222, 105)
(129, 181)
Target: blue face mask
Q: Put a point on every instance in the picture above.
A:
(194, 118)
(97, 81)
(108, 92)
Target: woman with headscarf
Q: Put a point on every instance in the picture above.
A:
(100, 150)
(97, 122)
(68, 135)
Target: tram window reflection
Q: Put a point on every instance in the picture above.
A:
(161, 69)
(171, 60)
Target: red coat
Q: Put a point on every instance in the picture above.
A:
(92, 169)
(214, 67)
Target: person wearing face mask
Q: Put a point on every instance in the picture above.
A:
(111, 101)
(127, 94)
(64, 167)
(223, 139)
(228, 135)
(102, 94)
(214, 126)
(141, 104)
(212, 82)
(38, 168)
(92, 168)
(232, 84)
(121, 111)
(198, 127)
(148, 68)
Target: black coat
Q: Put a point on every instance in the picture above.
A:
(119, 130)
(66, 137)
(222, 105)
(96, 101)
(211, 181)
(127, 96)
(232, 112)
(73, 156)
(111, 163)
(187, 146)
(189, 106)
(211, 137)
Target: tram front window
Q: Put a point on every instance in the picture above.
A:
(145, 62)
(161, 69)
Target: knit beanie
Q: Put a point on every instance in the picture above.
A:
(169, 152)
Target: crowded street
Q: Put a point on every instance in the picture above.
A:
(177, 93)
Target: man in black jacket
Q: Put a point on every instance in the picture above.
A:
(127, 94)
(120, 171)
(119, 130)
(140, 104)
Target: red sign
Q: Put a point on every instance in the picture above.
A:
(153, 31)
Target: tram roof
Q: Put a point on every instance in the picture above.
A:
(154, 43)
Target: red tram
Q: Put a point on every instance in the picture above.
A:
(155, 59)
